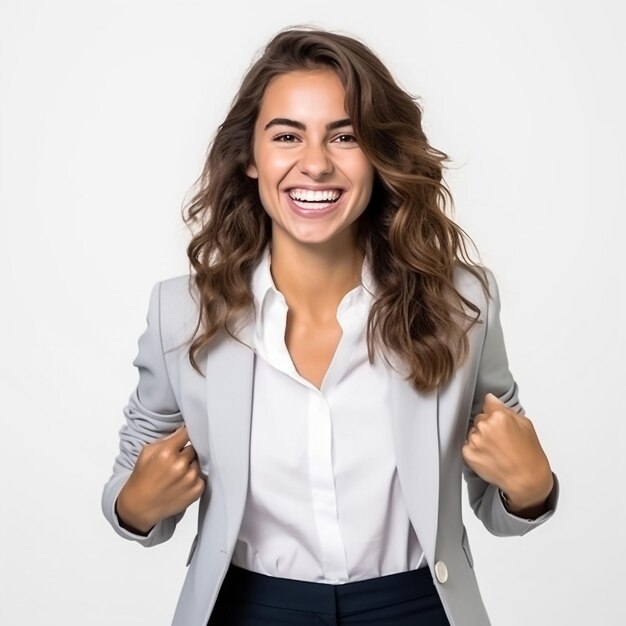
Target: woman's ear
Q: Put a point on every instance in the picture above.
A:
(251, 171)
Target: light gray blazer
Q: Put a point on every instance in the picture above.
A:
(428, 428)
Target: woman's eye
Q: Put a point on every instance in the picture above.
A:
(346, 138)
(285, 138)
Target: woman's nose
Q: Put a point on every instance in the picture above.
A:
(315, 161)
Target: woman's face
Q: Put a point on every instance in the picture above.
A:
(314, 180)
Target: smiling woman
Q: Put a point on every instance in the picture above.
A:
(329, 479)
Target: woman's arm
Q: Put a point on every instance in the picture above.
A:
(151, 413)
(495, 377)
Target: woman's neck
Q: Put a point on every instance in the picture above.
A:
(314, 278)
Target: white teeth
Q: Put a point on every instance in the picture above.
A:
(309, 195)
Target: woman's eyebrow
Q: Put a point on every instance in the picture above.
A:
(283, 121)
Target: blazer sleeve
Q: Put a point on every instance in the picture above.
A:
(494, 377)
(151, 413)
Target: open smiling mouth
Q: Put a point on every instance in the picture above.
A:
(314, 200)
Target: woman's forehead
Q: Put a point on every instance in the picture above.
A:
(315, 94)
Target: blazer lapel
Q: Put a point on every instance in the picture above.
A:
(416, 438)
(229, 382)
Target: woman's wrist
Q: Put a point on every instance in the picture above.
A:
(128, 522)
(528, 508)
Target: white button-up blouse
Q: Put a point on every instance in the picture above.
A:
(324, 502)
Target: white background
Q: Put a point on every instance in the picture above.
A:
(106, 111)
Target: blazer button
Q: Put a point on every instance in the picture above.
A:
(441, 571)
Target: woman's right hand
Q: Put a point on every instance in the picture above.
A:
(166, 479)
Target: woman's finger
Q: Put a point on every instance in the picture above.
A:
(189, 453)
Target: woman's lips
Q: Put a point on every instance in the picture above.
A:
(313, 209)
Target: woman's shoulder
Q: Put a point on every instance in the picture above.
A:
(467, 276)
(178, 284)
(178, 308)
(467, 280)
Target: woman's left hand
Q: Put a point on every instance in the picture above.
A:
(502, 447)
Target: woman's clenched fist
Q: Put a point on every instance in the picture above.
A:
(166, 479)
(502, 447)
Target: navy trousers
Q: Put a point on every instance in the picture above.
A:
(405, 599)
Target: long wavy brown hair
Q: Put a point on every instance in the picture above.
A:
(418, 313)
